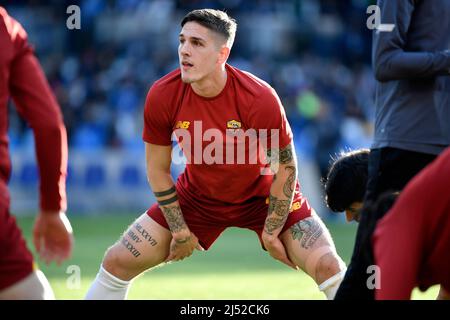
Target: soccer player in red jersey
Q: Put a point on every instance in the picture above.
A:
(412, 242)
(21, 77)
(226, 121)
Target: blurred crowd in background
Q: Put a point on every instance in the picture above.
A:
(315, 53)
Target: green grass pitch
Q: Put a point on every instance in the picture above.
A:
(235, 267)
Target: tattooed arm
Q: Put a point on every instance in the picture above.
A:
(158, 159)
(283, 163)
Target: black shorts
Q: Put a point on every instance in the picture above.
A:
(390, 169)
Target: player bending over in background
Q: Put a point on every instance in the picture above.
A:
(412, 112)
(412, 242)
(345, 186)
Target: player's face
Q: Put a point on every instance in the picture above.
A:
(352, 213)
(198, 52)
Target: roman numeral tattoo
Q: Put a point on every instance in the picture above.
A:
(135, 252)
(144, 233)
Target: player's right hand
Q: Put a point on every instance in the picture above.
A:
(183, 247)
(276, 249)
(53, 236)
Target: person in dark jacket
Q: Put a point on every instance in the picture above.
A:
(412, 66)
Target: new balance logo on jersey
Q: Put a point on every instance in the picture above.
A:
(295, 205)
(182, 125)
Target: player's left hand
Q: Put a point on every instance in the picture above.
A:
(180, 249)
(53, 236)
(276, 249)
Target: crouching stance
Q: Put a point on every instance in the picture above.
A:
(241, 168)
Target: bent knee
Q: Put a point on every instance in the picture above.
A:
(327, 266)
(322, 263)
(119, 265)
(33, 287)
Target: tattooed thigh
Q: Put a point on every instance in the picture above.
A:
(145, 242)
(309, 245)
(307, 232)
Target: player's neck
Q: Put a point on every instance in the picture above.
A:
(212, 85)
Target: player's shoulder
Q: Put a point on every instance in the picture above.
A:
(250, 84)
(168, 84)
(5, 21)
(3, 13)
(12, 28)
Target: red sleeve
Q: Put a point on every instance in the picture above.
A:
(16, 34)
(268, 113)
(405, 238)
(157, 123)
(397, 248)
(37, 105)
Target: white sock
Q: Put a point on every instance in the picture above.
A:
(34, 287)
(331, 285)
(107, 287)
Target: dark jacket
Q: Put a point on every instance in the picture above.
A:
(412, 66)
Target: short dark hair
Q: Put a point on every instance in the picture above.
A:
(215, 20)
(346, 179)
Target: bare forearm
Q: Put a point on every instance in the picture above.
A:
(166, 195)
(281, 192)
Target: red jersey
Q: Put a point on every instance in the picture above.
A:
(412, 241)
(222, 137)
(21, 78)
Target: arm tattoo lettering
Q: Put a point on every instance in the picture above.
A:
(174, 218)
(307, 231)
